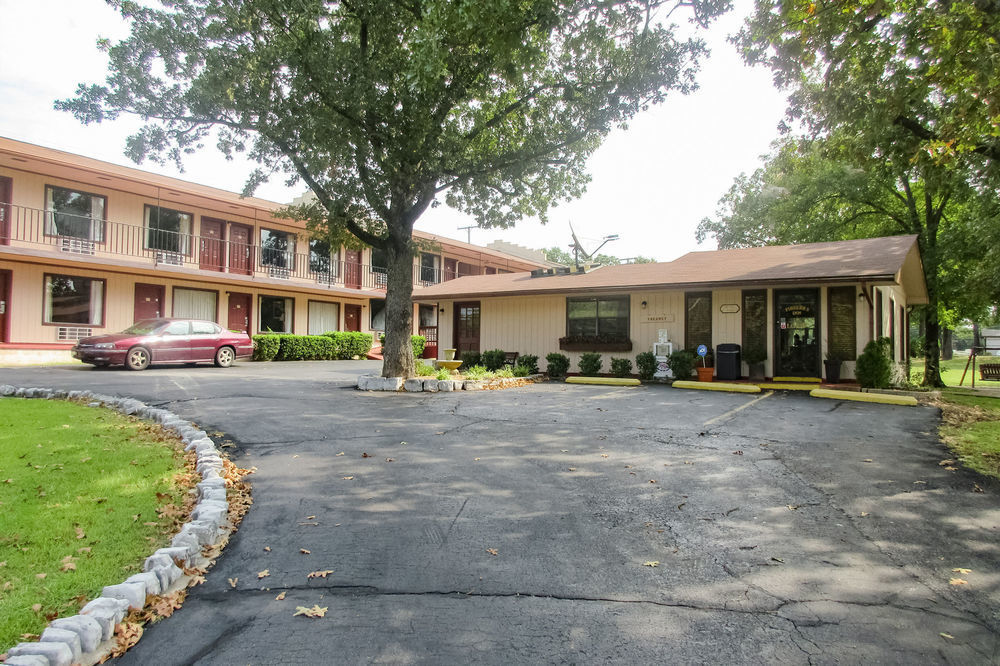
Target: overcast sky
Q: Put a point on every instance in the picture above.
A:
(651, 184)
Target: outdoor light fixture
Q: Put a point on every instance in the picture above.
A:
(644, 305)
(442, 310)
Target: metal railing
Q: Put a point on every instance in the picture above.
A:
(31, 227)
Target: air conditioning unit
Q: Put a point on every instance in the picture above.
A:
(279, 272)
(76, 245)
(67, 333)
(170, 258)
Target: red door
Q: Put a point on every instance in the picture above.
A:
(450, 269)
(352, 272)
(148, 301)
(213, 236)
(240, 249)
(239, 312)
(352, 317)
(466, 327)
(6, 192)
(4, 306)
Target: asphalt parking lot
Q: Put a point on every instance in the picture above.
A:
(556, 523)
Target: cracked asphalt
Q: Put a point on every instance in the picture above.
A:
(786, 529)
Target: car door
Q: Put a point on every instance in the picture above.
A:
(172, 344)
(204, 338)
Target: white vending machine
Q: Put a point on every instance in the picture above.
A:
(662, 351)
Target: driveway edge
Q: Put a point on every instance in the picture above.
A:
(88, 637)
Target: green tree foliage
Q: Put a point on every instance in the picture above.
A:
(384, 108)
(561, 256)
(902, 91)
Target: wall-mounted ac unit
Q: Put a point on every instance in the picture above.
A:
(67, 333)
(76, 245)
(170, 258)
(279, 272)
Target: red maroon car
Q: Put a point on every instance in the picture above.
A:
(165, 341)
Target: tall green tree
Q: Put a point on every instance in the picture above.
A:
(906, 89)
(383, 109)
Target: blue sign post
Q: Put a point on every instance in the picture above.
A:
(702, 351)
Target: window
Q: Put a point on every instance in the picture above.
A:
(377, 307)
(697, 319)
(74, 214)
(430, 268)
(323, 317)
(428, 316)
(380, 261)
(73, 300)
(277, 249)
(321, 258)
(606, 316)
(275, 314)
(177, 328)
(842, 333)
(167, 230)
(205, 328)
(196, 304)
(755, 321)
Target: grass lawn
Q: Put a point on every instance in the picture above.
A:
(951, 371)
(86, 495)
(971, 427)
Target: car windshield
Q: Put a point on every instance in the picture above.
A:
(143, 327)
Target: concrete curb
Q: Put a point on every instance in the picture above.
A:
(717, 386)
(431, 385)
(882, 398)
(89, 637)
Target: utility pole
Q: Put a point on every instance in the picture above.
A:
(468, 232)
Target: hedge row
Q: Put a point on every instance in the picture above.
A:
(329, 346)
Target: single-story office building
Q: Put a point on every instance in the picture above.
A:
(798, 303)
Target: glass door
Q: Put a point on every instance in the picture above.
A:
(796, 336)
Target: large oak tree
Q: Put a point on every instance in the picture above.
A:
(384, 108)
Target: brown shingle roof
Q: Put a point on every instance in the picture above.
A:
(870, 259)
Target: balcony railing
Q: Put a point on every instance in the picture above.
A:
(33, 228)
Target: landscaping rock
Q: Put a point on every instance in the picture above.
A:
(85, 627)
(108, 612)
(413, 385)
(392, 383)
(64, 636)
(212, 512)
(133, 593)
(148, 580)
(182, 554)
(431, 385)
(58, 654)
(26, 660)
(210, 484)
(446, 385)
(474, 385)
(459, 384)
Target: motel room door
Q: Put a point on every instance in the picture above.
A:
(352, 272)
(352, 317)
(797, 331)
(148, 301)
(239, 312)
(466, 329)
(4, 305)
(212, 244)
(240, 248)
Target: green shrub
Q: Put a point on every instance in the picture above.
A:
(305, 348)
(558, 364)
(529, 361)
(874, 366)
(493, 359)
(265, 347)
(424, 369)
(590, 364)
(475, 372)
(646, 364)
(418, 342)
(522, 371)
(621, 367)
(506, 372)
(443, 373)
(348, 344)
(470, 359)
(681, 363)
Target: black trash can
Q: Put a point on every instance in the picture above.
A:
(727, 361)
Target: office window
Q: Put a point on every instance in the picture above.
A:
(196, 304)
(322, 259)
(323, 317)
(606, 316)
(430, 268)
(73, 300)
(377, 308)
(167, 230)
(74, 214)
(698, 319)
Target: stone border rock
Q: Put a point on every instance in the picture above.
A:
(432, 385)
(88, 637)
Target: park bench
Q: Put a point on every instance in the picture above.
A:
(989, 371)
(510, 358)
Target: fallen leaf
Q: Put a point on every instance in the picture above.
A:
(37, 608)
(475, 458)
(440, 432)
(778, 559)
(604, 455)
(233, 581)
(651, 563)
(401, 443)
(867, 460)
(864, 513)
(341, 453)
(961, 570)
(365, 455)
(348, 478)
(127, 634)
(976, 488)
(652, 480)
(390, 460)
(688, 462)
(946, 462)
(304, 551)
(263, 574)
(492, 551)
(958, 581)
(315, 611)
(628, 466)
(310, 517)
(296, 455)
(85, 549)
(950, 468)
(166, 605)
(563, 450)
(267, 549)
(41, 576)
(68, 564)
(79, 532)
(944, 635)
(681, 505)
(320, 574)
(280, 597)
(922, 483)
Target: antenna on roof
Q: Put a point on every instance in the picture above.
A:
(578, 248)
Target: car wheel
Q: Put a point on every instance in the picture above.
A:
(225, 357)
(137, 358)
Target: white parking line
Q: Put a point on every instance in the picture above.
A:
(740, 408)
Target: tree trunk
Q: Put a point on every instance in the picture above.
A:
(947, 344)
(397, 352)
